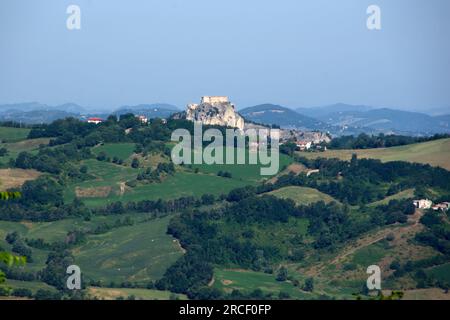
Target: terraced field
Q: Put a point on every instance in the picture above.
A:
(435, 153)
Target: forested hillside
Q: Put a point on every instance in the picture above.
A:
(108, 198)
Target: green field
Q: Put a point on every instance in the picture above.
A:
(244, 172)
(14, 148)
(139, 294)
(369, 255)
(120, 150)
(248, 281)
(137, 253)
(435, 153)
(441, 273)
(180, 184)
(302, 195)
(405, 194)
(31, 285)
(51, 232)
(57, 230)
(8, 134)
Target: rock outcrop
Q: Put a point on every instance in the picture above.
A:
(215, 111)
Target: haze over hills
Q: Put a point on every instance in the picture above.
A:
(320, 111)
(339, 119)
(382, 120)
(34, 112)
(156, 110)
(282, 116)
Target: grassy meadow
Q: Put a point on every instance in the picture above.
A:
(137, 253)
(120, 150)
(302, 195)
(14, 148)
(8, 134)
(248, 281)
(435, 153)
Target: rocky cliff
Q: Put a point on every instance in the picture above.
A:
(215, 111)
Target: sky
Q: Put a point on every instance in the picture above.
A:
(289, 52)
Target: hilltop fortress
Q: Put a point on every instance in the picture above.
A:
(215, 110)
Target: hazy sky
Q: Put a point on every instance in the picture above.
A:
(289, 52)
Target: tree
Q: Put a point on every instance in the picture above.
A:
(282, 274)
(10, 260)
(102, 156)
(3, 152)
(135, 163)
(43, 190)
(309, 285)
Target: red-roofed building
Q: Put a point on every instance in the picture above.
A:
(95, 120)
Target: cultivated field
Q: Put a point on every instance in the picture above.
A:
(243, 172)
(435, 153)
(182, 183)
(14, 178)
(137, 253)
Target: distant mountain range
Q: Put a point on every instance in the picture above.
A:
(338, 119)
(157, 110)
(350, 119)
(34, 112)
(382, 120)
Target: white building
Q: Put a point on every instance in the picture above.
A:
(304, 145)
(142, 119)
(444, 206)
(423, 204)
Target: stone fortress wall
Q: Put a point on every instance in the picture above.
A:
(214, 99)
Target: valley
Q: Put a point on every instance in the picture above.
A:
(268, 237)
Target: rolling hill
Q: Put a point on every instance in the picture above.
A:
(157, 110)
(435, 153)
(284, 117)
(379, 120)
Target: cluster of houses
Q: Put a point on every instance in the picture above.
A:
(142, 119)
(428, 204)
